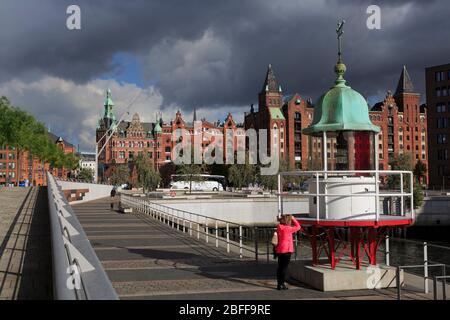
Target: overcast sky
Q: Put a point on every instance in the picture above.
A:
(213, 55)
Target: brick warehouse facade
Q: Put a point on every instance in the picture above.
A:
(155, 139)
(437, 79)
(20, 166)
(403, 123)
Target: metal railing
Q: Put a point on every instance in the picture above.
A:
(77, 272)
(426, 278)
(224, 233)
(319, 178)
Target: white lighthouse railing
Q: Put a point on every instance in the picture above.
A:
(318, 177)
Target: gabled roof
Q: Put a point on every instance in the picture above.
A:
(276, 114)
(404, 83)
(55, 139)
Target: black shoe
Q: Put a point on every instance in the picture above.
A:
(282, 287)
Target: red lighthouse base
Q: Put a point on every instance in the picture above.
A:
(364, 238)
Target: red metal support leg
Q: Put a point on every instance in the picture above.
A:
(313, 239)
(332, 254)
(373, 241)
(357, 248)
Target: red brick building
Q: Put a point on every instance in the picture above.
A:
(156, 140)
(403, 123)
(438, 101)
(19, 167)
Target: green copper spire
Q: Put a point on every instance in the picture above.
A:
(109, 104)
(340, 108)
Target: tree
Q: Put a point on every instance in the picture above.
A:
(270, 182)
(400, 162)
(120, 175)
(191, 170)
(192, 173)
(420, 170)
(147, 177)
(86, 174)
(241, 175)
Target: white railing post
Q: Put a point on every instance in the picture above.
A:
(280, 206)
(217, 235)
(377, 177)
(198, 227)
(317, 196)
(190, 224)
(402, 209)
(425, 266)
(228, 237)
(240, 241)
(206, 230)
(388, 253)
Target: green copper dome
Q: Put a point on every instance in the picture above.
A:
(341, 108)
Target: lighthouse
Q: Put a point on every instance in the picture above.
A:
(352, 204)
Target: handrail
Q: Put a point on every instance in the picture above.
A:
(426, 277)
(76, 267)
(170, 214)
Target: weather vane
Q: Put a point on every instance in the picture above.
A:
(340, 32)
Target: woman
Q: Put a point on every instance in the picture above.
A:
(287, 226)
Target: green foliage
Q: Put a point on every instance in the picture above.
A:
(399, 162)
(120, 175)
(420, 170)
(86, 174)
(147, 177)
(241, 175)
(418, 195)
(270, 182)
(19, 129)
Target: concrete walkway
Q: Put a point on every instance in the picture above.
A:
(146, 259)
(25, 249)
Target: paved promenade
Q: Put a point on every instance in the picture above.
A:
(146, 259)
(25, 256)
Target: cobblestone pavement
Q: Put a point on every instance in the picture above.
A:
(25, 257)
(146, 259)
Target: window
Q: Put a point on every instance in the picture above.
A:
(121, 154)
(297, 116)
(442, 122)
(442, 138)
(438, 92)
(441, 107)
(440, 76)
(167, 149)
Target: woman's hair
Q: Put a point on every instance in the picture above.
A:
(285, 219)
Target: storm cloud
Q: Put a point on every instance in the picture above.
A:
(213, 55)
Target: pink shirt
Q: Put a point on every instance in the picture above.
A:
(285, 240)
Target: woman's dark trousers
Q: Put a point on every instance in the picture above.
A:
(283, 263)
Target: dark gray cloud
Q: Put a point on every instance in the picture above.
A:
(215, 53)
